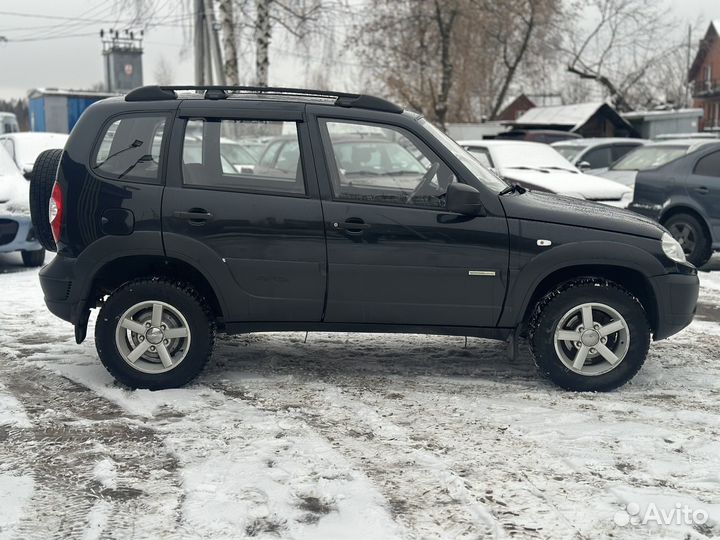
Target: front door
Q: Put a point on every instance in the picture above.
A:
(394, 255)
(704, 186)
(248, 220)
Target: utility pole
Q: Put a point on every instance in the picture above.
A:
(212, 32)
(199, 41)
(227, 21)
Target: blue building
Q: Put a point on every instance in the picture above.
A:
(58, 110)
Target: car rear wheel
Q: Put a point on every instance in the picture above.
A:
(154, 333)
(687, 230)
(33, 259)
(589, 335)
(41, 184)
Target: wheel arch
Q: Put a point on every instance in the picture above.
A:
(115, 272)
(634, 281)
(684, 208)
(625, 264)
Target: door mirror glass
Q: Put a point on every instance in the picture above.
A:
(464, 199)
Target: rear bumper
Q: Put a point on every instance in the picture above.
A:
(61, 298)
(23, 238)
(676, 296)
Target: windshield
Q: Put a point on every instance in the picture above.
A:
(488, 179)
(649, 157)
(29, 148)
(569, 151)
(529, 156)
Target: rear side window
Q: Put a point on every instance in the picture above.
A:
(131, 149)
(223, 154)
(709, 165)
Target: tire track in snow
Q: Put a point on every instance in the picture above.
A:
(71, 430)
(425, 494)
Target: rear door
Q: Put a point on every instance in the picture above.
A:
(395, 256)
(256, 231)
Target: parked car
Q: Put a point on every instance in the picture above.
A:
(16, 231)
(546, 136)
(540, 167)
(8, 123)
(684, 195)
(693, 135)
(24, 147)
(650, 156)
(172, 251)
(594, 155)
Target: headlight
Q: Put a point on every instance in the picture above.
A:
(672, 248)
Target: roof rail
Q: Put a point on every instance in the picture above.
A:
(342, 99)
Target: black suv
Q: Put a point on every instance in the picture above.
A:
(684, 195)
(357, 216)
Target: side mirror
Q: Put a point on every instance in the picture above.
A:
(584, 166)
(464, 199)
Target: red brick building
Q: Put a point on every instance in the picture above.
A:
(704, 77)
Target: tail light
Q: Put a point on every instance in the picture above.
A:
(56, 211)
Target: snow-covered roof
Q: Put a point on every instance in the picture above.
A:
(572, 116)
(39, 92)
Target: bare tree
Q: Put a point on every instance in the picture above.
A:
(454, 60)
(227, 22)
(626, 41)
(163, 72)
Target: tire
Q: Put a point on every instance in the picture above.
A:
(611, 303)
(41, 183)
(691, 234)
(182, 307)
(33, 259)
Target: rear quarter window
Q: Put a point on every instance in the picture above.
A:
(131, 149)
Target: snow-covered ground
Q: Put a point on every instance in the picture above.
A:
(349, 436)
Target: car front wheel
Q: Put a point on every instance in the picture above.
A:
(155, 334)
(690, 233)
(589, 335)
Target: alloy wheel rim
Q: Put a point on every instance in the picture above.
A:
(592, 339)
(152, 337)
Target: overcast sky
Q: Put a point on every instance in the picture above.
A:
(42, 57)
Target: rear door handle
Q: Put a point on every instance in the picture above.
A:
(702, 190)
(196, 216)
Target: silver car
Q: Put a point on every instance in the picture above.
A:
(595, 155)
(16, 232)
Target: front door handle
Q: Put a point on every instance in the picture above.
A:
(351, 225)
(702, 190)
(196, 216)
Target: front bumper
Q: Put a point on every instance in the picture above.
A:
(23, 239)
(676, 296)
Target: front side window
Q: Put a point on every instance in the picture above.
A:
(223, 154)
(130, 149)
(385, 165)
(598, 157)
